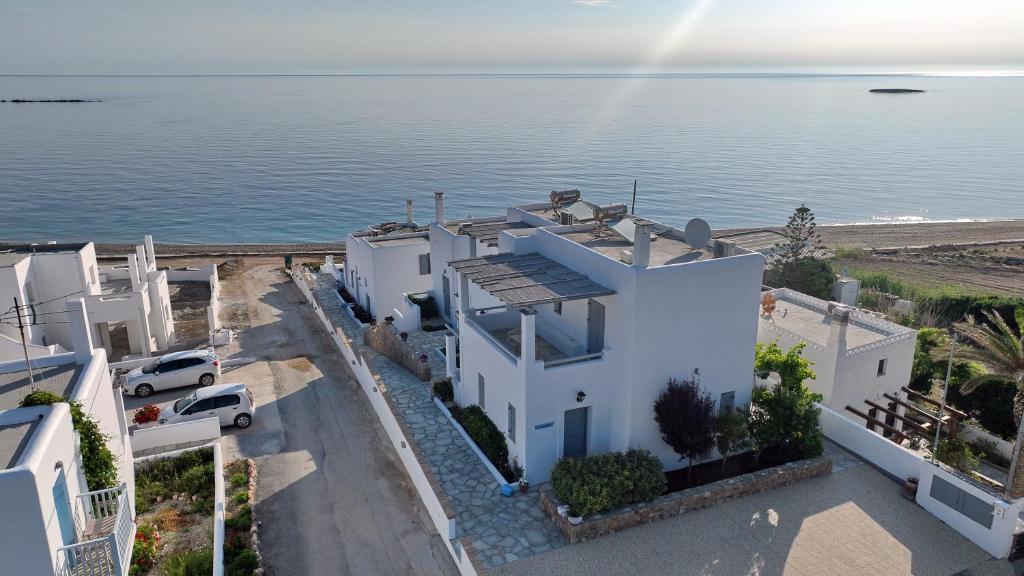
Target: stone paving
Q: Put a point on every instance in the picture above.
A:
(501, 529)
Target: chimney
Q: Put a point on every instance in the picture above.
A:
(408, 212)
(140, 254)
(840, 323)
(642, 246)
(439, 207)
(81, 334)
(150, 254)
(133, 271)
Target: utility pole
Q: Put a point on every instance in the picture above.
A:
(24, 346)
(945, 390)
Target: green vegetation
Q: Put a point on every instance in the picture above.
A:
(144, 549)
(796, 263)
(487, 437)
(686, 419)
(956, 453)
(850, 253)
(428, 307)
(190, 473)
(784, 416)
(189, 562)
(607, 481)
(238, 480)
(443, 390)
(239, 558)
(730, 434)
(97, 459)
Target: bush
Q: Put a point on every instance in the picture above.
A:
(809, 275)
(428, 307)
(241, 497)
(685, 413)
(190, 472)
(991, 404)
(147, 540)
(443, 390)
(189, 562)
(242, 565)
(604, 482)
(956, 453)
(785, 416)
(97, 459)
(241, 520)
(238, 480)
(487, 437)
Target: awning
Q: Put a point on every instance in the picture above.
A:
(528, 279)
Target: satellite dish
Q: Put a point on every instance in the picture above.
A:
(698, 234)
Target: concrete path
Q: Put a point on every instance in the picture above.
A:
(332, 496)
(852, 522)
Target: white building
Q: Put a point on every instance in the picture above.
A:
(857, 356)
(42, 276)
(52, 523)
(386, 261)
(570, 331)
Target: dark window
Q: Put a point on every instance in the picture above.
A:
(726, 403)
(226, 401)
(511, 422)
(169, 366)
(480, 391)
(190, 362)
(425, 264)
(558, 308)
(881, 367)
(200, 406)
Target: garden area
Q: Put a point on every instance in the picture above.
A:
(174, 504)
(361, 313)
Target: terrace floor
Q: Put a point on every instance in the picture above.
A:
(512, 338)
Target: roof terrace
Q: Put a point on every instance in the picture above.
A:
(668, 245)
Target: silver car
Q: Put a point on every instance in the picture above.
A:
(174, 370)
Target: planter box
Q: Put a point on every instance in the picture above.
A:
(682, 501)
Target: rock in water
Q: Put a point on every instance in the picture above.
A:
(895, 91)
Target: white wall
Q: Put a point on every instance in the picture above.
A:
(896, 460)
(175, 434)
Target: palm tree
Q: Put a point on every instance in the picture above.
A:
(1000, 349)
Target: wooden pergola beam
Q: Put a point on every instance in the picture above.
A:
(918, 396)
(899, 433)
(920, 429)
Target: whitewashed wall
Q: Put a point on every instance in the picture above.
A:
(171, 435)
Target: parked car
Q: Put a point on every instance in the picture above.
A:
(231, 403)
(175, 370)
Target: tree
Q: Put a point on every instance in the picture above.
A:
(784, 415)
(802, 238)
(1000, 349)
(730, 434)
(926, 365)
(686, 418)
(97, 459)
(795, 263)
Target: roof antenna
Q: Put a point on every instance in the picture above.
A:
(633, 209)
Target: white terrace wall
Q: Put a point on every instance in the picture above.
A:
(902, 463)
(443, 520)
(173, 436)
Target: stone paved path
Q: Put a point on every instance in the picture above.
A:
(502, 529)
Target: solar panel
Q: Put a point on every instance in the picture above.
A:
(580, 211)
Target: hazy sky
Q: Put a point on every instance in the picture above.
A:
(322, 36)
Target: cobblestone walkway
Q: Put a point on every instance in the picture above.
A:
(502, 529)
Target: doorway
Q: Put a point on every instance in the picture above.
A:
(574, 434)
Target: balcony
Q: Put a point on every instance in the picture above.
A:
(505, 329)
(106, 536)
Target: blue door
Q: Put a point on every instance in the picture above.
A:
(574, 437)
(65, 518)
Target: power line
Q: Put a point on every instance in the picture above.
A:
(24, 306)
(6, 316)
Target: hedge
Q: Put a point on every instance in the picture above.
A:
(604, 482)
(488, 438)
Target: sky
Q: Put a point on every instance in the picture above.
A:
(543, 36)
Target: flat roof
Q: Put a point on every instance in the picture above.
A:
(42, 248)
(488, 232)
(762, 241)
(13, 440)
(814, 323)
(528, 279)
(385, 241)
(60, 380)
(12, 259)
(668, 247)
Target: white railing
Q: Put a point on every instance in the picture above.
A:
(110, 553)
(572, 360)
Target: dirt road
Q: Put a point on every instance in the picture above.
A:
(334, 500)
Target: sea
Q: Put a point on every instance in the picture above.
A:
(269, 159)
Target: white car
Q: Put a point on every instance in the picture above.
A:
(231, 403)
(174, 370)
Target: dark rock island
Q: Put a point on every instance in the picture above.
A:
(71, 101)
(895, 91)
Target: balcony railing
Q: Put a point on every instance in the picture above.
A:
(106, 539)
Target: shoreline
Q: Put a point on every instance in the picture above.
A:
(876, 236)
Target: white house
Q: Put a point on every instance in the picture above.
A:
(570, 331)
(857, 355)
(52, 522)
(384, 262)
(42, 276)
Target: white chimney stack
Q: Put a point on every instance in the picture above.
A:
(840, 323)
(150, 254)
(439, 207)
(642, 246)
(408, 212)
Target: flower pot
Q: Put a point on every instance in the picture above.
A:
(524, 488)
(575, 520)
(149, 424)
(404, 336)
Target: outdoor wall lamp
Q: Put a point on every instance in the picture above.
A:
(581, 396)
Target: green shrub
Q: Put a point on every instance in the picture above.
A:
(242, 565)
(241, 497)
(809, 275)
(147, 540)
(784, 416)
(604, 482)
(97, 459)
(428, 307)
(241, 520)
(991, 404)
(956, 453)
(238, 480)
(443, 390)
(488, 438)
(188, 562)
(147, 494)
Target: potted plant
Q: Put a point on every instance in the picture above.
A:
(524, 485)
(575, 518)
(146, 416)
(404, 336)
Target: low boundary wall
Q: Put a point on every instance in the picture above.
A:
(430, 492)
(175, 436)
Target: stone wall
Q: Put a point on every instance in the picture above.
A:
(384, 338)
(684, 500)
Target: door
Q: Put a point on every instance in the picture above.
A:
(167, 376)
(62, 504)
(227, 407)
(201, 409)
(190, 371)
(574, 436)
(595, 326)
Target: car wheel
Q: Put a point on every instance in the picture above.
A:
(143, 390)
(243, 420)
(206, 379)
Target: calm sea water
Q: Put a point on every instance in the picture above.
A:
(292, 159)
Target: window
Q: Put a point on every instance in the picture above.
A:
(201, 406)
(190, 362)
(881, 366)
(511, 422)
(480, 390)
(170, 366)
(726, 403)
(558, 308)
(226, 401)
(424, 264)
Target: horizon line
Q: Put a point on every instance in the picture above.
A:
(953, 74)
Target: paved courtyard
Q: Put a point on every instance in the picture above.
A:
(502, 529)
(852, 522)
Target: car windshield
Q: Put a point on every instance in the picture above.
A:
(184, 402)
(150, 368)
